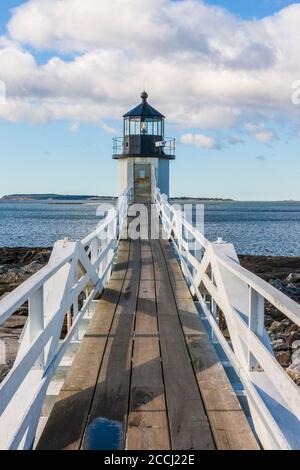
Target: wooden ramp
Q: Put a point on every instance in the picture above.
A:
(146, 376)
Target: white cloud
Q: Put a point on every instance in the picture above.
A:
(253, 127)
(200, 140)
(108, 129)
(203, 67)
(265, 136)
(235, 139)
(74, 25)
(260, 133)
(187, 139)
(74, 127)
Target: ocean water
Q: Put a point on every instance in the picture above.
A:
(41, 224)
(262, 228)
(257, 228)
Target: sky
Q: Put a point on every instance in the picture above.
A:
(226, 74)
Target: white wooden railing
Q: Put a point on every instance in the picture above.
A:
(219, 282)
(53, 294)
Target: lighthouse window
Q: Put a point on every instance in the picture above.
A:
(144, 127)
(151, 126)
(134, 128)
(158, 128)
(154, 126)
(126, 129)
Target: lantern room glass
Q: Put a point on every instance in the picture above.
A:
(143, 126)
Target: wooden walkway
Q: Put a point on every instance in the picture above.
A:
(146, 375)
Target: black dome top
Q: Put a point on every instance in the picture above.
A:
(144, 109)
(144, 96)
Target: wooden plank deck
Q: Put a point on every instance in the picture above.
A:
(146, 376)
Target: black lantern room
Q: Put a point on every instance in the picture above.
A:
(144, 134)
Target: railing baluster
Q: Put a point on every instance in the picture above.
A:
(36, 321)
(214, 312)
(94, 249)
(75, 313)
(256, 322)
(111, 235)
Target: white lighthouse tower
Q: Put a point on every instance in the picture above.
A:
(144, 153)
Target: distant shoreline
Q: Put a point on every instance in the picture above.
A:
(204, 199)
(90, 199)
(81, 199)
(54, 198)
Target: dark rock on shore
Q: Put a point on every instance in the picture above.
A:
(273, 267)
(17, 264)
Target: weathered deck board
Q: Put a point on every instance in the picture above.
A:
(189, 426)
(110, 402)
(120, 269)
(147, 421)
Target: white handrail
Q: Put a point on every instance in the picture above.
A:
(13, 300)
(220, 283)
(52, 293)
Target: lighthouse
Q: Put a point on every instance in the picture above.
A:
(144, 153)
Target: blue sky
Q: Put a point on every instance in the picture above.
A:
(6, 6)
(230, 111)
(252, 8)
(245, 8)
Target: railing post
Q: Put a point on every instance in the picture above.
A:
(256, 323)
(179, 222)
(104, 243)
(214, 312)
(163, 205)
(111, 236)
(94, 249)
(36, 321)
(179, 231)
(75, 313)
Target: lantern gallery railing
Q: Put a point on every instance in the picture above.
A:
(144, 144)
(225, 289)
(76, 270)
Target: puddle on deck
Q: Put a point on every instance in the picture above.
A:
(104, 434)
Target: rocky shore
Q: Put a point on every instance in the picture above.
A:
(18, 264)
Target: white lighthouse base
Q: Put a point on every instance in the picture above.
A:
(142, 174)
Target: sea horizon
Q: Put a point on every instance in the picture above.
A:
(254, 227)
(67, 199)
